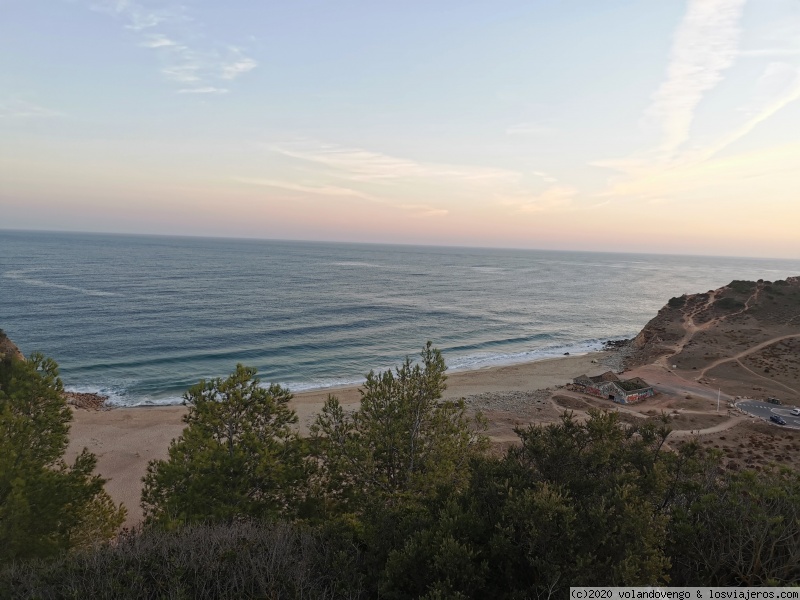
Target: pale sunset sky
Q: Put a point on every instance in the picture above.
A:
(667, 126)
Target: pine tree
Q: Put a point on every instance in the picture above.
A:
(238, 456)
(46, 506)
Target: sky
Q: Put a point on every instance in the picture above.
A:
(666, 126)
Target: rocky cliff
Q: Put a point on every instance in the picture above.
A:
(746, 331)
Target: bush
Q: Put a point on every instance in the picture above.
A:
(742, 287)
(677, 302)
(728, 303)
(245, 559)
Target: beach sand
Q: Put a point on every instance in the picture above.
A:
(126, 439)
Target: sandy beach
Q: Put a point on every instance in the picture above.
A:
(126, 439)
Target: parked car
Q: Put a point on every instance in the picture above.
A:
(777, 419)
(773, 401)
(795, 412)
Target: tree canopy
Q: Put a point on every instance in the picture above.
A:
(46, 505)
(576, 503)
(237, 456)
(402, 442)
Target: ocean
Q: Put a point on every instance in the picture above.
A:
(142, 318)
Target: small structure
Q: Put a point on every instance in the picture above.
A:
(608, 385)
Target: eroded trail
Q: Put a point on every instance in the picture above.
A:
(691, 329)
(724, 426)
(745, 353)
(770, 379)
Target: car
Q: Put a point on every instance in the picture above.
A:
(777, 419)
(773, 401)
(795, 412)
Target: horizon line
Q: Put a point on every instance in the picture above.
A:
(403, 244)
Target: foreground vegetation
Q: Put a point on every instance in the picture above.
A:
(46, 505)
(401, 499)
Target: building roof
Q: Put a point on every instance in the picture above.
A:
(627, 385)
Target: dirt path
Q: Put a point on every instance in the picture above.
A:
(729, 424)
(749, 370)
(691, 329)
(744, 353)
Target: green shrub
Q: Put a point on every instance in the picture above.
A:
(742, 287)
(728, 303)
(245, 559)
(677, 302)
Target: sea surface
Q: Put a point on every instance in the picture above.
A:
(142, 318)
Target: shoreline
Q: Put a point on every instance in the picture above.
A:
(81, 398)
(125, 439)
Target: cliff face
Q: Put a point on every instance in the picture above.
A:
(8, 348)
(746, 331)
(733, 317)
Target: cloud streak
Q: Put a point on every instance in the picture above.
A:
(238, 67)
(21, 109)
(158, 41)
(360, 165)
(322, 190)
(556, 198)
(704, 47)
(203, 90)
(186, 54)
(779, 86)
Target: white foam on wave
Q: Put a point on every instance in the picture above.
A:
(297, 387)
(20, 276)
(119, 396)
(356, 263)
(488, 359)
(149, 401)
(116, 396)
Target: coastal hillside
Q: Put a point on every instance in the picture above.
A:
(743, 338)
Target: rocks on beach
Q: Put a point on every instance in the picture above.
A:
(511, 401)
(86, 401)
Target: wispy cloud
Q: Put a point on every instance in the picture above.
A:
(184, 73)
(415, 210)
(556, 198)
(158, 41)
(187, 55)
(704, 47)
(545, 177)
(203, 90)
(21, 109)
(420, 189)
(770, 52)
(239, 66)
(778, 87)
(322, 190)
(363, 165)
